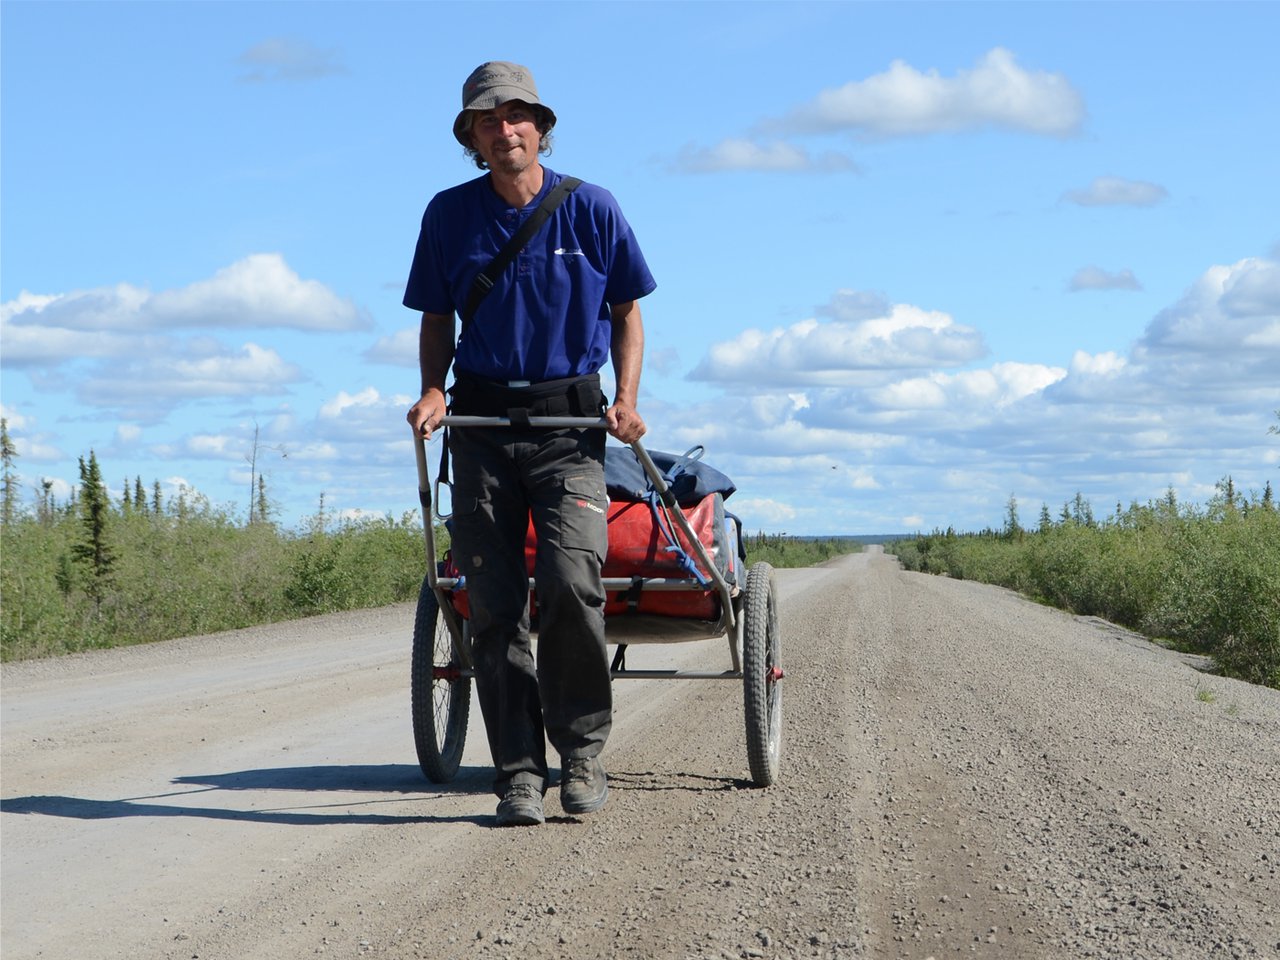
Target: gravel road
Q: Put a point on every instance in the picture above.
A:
(965, 773)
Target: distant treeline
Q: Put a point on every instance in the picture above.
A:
(1205, 578)
(783, 550)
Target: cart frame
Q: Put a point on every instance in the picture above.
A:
(747, 618)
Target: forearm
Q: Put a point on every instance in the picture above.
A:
(435, 355)
(627, 351)
(435, 350)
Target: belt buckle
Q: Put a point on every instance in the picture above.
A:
(517, 384)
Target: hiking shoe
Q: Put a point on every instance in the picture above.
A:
(520, 806)
(583, 785)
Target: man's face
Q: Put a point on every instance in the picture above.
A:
(507, 138)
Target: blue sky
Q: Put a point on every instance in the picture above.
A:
(912, 258)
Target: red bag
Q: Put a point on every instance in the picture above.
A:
(638, 548)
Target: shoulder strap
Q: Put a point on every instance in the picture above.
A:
(487, 277)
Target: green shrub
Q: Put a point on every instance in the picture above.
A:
(1207, 579)
(189, 570)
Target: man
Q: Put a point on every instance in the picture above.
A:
(533, 347)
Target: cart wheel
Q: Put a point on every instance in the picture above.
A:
(441, 704)
(761, 670)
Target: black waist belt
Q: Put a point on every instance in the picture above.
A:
(474, 396)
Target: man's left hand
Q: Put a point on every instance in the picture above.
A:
(624, 423)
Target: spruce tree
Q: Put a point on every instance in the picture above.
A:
(93, 550)
(8, 453)
(264, 508)
(46, 501)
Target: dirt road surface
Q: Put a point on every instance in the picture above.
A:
(965, 774)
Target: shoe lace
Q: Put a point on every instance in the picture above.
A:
(522, 791)
(579, 769)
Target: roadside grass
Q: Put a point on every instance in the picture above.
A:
(188, 568)
(1206, 580)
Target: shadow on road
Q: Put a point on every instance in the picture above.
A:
(403, 779)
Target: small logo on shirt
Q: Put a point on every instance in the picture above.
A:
(568, 252)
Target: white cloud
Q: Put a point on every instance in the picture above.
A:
(1117, 191)
(399, 350)
(25, 300)
(903, 101)
(1100, 364)
(29, 343)
(146, 389)
(368, 397)
(842, 352)
(775, 156)
(1199, 387)
(36, 448)
(257, 292)
(16, 420)
(1226, 307)
(969, 394)
(1095, 278)
(216, 446)
(756, 511)
(284, 58)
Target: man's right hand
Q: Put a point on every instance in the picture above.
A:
(425, 415)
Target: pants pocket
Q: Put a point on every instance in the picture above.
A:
(583, 515)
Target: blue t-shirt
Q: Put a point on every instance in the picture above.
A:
(547, 317)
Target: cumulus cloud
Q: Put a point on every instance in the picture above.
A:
(14, 417)
(774, 156)
(284, 58)
(146, 389)
(995, 93)
(842, 351)
(366, 416)
(1096, 364)
(257, 292)
(399, 350)
(1095, 278)
(762, 510)
(1226, 309)
(1197, 388)
(1117, 192)
(334, 408)
(127, 434)
(992, 389)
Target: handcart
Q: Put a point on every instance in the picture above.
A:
(673, 573)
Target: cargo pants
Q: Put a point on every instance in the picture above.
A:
(502, 478)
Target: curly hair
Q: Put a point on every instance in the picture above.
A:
(542, 120)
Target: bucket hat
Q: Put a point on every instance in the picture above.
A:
(493, 84)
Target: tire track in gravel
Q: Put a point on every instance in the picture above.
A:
(688, 859)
